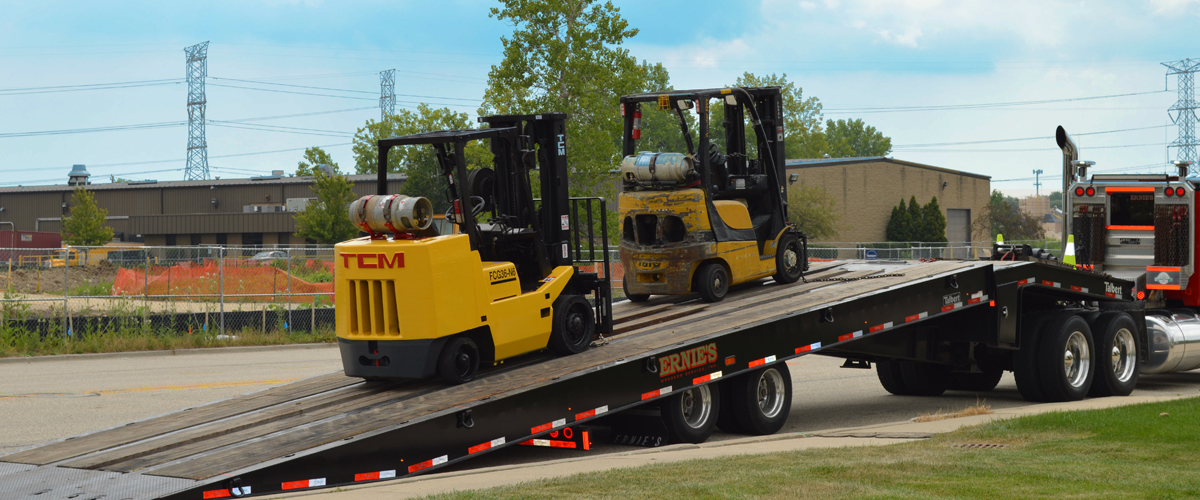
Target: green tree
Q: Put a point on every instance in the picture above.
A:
(85, 226)
(418, 163)
(814, 211)
(896, 226)
(803, 137)
(566, 56)
(313, 157)
(914, 221)
(1056, 200)
(1003, 215)
(933, 222)
(327, 219)
(851, 138)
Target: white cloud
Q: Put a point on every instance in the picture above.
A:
(906, 39)
(808, 5)
(1171, 6)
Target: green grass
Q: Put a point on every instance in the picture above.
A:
(1126, 452)
(17, 342)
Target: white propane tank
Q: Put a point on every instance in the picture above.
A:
(658, 167)
(405, 213)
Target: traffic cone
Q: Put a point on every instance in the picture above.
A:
(999, 238)
(1069, 255)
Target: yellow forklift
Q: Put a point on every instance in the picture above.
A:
(702, 220)
(414, 303)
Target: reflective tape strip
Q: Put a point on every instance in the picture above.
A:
(655, 394)
(706, 378)
(877, 328)
(306, 483)
(1112, 295)
(1054, 284)
(553, 443)
(591, 413)
(920, 315)
(428, 463)
(763, 361)
(1027, 281)
(809, 347)
(370, 476)
(551, 425)
(1163, 268)
(849, 336)
(217, 494)
(1163, 287)
(951, 307)
(485, 446)
(1079, 288)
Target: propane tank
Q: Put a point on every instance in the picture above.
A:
(658, 167)
(395, 213)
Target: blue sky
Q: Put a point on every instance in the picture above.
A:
(851, 54)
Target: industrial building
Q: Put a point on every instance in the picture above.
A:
(866, 189)
(237, 212)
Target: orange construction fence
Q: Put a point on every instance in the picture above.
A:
(248, 278)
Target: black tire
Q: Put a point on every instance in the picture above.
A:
(924, 379)
(975, 382)
(712, 282)
(574, 325)
(1116, 359)
(1065, 358)
(762, 400)
(725, 420)
(1025, 365)
(691, 414)
(789, 264)
(633, 297)
(889, 376)
(459, 361)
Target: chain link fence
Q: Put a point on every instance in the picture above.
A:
(208, 290)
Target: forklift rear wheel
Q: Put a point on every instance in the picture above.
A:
(633, 297)
(762, 400)
(574, 325)
(712, 281)
(459, 361)
(691, 415)
(788, 264)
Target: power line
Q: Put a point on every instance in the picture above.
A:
(1045, 137)
(300, 114)
(293, 92)
(135, 82)
(265, 126)
(1024, 150)
(94, 129)
(903, 109)
(346, 90)
(252, 127)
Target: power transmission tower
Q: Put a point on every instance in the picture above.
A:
(1037, 183)
(1183, 113)
(387, 93)
(197, 72)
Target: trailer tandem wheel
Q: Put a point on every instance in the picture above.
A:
(1065, 358)
(924, 379)
(889, 375)
(762, 400)
(691, 414)
(1025, 366)
(1116, 355)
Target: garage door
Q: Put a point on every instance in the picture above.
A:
(958, 231)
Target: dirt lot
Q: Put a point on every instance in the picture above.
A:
(50, 280)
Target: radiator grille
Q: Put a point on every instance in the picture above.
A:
(374, 307)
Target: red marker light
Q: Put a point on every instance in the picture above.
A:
(1091, 191)
(1141, 295)
(1078, 191)
(1180, 192)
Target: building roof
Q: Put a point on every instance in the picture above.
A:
(827, 162)
(256, 181)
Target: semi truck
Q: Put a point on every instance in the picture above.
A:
(685, 365)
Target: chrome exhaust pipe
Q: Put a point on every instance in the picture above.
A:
(1070, 156)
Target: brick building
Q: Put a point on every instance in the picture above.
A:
(234, 212)
(867, 188)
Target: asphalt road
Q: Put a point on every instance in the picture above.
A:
(47, 399)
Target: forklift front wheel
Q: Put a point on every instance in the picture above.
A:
(459, 361)
(788, 263)
(633, 297)
(712, 281)
(574, 325)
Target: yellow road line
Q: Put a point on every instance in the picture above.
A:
(164, 388)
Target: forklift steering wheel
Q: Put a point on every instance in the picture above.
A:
(479, 203)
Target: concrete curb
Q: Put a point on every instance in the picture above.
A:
(872, 435)
(176, 352)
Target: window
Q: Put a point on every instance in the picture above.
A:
(170, 240)
(1131, 209)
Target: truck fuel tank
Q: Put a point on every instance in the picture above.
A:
(1174, 341)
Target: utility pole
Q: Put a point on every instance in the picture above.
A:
(387, 94)
(1037, 183)
(197, 72)
(1183, 112)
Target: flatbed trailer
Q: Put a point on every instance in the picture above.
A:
(335, 430)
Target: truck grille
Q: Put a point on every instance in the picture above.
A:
(374, 303)
(1171, 223)
(1090, 235)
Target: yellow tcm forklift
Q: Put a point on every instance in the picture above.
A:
(414, 303)
(701, 220)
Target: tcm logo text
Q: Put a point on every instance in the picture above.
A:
(691, 358)
(373, 260)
